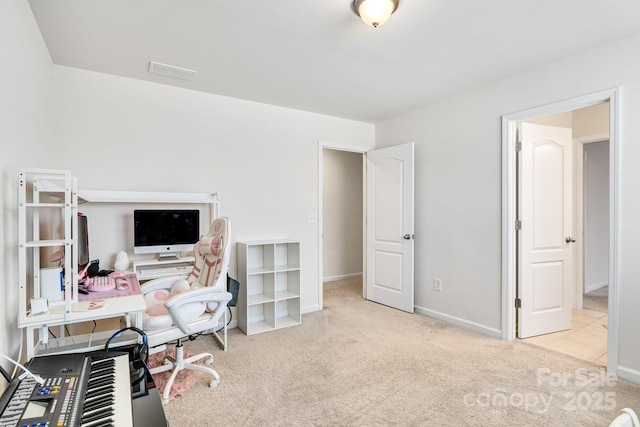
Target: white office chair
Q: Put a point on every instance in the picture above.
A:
(627, 418)
(179, 308)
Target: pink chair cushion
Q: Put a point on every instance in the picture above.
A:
(157, 316)
(210, 245)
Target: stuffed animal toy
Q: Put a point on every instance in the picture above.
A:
(157, 314)
(122, 261)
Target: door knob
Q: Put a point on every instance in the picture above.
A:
(407, 237)
(569, 239)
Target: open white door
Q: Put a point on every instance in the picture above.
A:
(390, 177)
(545, 285)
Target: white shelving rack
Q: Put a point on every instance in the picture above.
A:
(269, 296)
(51, 197)
(210, 200)
(39, 201)
(144, 267)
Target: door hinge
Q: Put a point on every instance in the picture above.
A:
(518, 146)
(518, 303)
(518, 224)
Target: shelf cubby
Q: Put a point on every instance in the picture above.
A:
(269, 273)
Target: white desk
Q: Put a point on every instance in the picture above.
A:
(130, 306)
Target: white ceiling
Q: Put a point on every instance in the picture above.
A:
(316, 55)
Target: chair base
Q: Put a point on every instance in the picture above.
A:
(179, 363)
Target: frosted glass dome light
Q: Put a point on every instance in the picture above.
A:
(375, 12)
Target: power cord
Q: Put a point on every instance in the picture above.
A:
(5, 374)
(139, 356)
(26, 373)
(66, 328)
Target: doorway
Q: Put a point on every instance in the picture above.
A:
(585, 334)
(342, 215)
(510, 211)
(388, 215)
(341, 192)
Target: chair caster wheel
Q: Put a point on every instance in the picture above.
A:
(214, 383)
(208, 361)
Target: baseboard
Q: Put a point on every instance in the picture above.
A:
(629, 374)
(591, 288)
(310, 309)
(341, 277)
(465, 324)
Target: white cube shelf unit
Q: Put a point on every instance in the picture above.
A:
(269, 273)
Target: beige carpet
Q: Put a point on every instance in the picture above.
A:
(362, 364)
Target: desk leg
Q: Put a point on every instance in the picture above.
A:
(30, 342)
(223, 340)
(138, 320)
(225, 331)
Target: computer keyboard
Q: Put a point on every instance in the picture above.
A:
(170, 270)
(100, 284)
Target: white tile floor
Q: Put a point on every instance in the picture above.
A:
(586, 340)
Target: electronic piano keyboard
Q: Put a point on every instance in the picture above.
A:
(79, 391)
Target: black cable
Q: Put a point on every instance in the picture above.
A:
(141, 356)
(5, 374)
(52, 334)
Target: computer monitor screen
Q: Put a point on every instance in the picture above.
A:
(165, 231)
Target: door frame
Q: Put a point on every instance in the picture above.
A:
(509, 211)
(579, 211)
(361, 149)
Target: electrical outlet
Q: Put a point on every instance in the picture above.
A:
(437, 284)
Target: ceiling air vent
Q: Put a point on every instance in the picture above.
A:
(171, 71)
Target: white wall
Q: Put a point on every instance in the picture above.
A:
(342, 214)
(25, 141)
(124, 134)
(592, 120)
(458, 186)
(596, 215)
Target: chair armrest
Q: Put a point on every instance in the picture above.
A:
(198, 295)
(201, 295)
(160, 283)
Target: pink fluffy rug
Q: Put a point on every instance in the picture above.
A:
(186, 378)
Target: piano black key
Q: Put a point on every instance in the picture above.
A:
(99, 403)
(101, 381)
(97, 391)
(101, 423)
(106, 413)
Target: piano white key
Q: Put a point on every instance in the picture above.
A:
(121, 409)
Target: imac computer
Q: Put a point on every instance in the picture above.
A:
(165, 232)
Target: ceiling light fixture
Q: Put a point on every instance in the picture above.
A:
(375, 12)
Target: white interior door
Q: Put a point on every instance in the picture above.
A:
(545, 285)
(390, 240)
